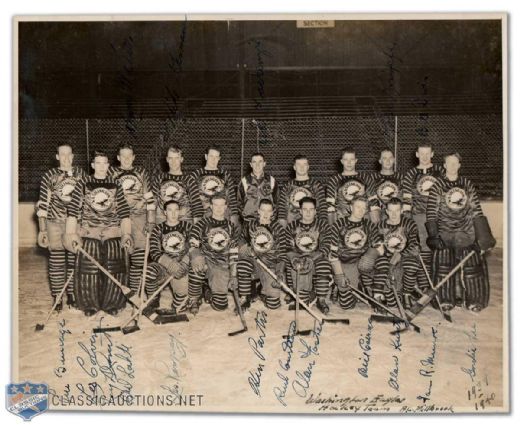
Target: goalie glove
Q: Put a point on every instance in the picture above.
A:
(434, 240)
(483, 236)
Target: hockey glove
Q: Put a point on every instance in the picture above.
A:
(43, 239)
(71, 242)
(483, 236)
(127, 242)
(434, 240)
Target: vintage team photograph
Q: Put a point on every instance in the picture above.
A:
(262, 214)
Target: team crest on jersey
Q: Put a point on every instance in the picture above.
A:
(218, 239)
(387, 190)
(211, 185)
(101, 199)
(174, 243)
(456, 198)
(351, 189)
(307, 241)
(171, 190)
(130, 183)
(65, 188)
(425, 183)
(265, 189)
(297, 194)
(262, 240)
(355, 238)
(395, 241)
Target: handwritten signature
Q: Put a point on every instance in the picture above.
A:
(256, 346)
(427, 369)
(365, 345)
(60, 370)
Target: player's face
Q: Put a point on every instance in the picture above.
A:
(257, 164)
(174, 160)
(126, 158)
(265, 213)
(301, 166)
(425, 155)
(218, 208)
(452, 165)
(212, 158)
(308, 211)
(394, 212)
(349, 160)
(387, 160)
(172, 213)
(359, 209)
(65, 156)
(100, 165)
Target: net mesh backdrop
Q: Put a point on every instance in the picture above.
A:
(478, 138)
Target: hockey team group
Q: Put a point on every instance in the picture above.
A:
(380, 237)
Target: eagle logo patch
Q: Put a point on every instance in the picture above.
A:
(101, 199)
(456, 198)
(174, 243)
(130, 184)
(262, 240)
(395, 241)
(425, 183)
(351, 189)
(307, 241)
(171, 190)
(211, 185)
(218, 239)
(355, 238)
(297, 194)
(65, 188)
(387, 190)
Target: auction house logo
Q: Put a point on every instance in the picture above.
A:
(27, 399)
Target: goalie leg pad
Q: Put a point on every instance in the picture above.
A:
(445, 260)
(476, 280)
(113, 256)
(87, 277)
(245, 272)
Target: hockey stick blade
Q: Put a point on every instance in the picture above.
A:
(390, 319)
(130, 329)
(237, 332)
(103, 330)
(332, 320)
(162, 319)
(39, 327)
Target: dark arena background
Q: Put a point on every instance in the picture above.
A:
(282, 87)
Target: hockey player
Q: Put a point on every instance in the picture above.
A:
(135, 182)
(384, 185)
(356, 254)
(294, 190)
(212, 180)
(417, 184)
(178, 186)
(344, 187)
(401, 242)
(456, 225)
(262, 239)
(98, 219)
(51, 209)
(307, 241)
(255, 187)
(213, 255)
(169, 251)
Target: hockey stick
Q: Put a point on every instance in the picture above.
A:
(427, 298)
(297, 330)
(240, 313)
(40, 326)
(314, 314)
(445, 314)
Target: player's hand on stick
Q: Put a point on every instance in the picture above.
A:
(43, 239)
(127, 242)
(72, 242)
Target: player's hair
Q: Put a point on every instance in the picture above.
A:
(348, 149)
(213, 147)
(424, 145)
(258, 154)
(387, 149)
(359, 198)
(300, 156)
(455, 154)
(265, 201)
(64, 144)
(307, 199)
(125, 145)
(219, 196)
(174, 148)
(394, 201)
(98, 154)
(171, 201)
